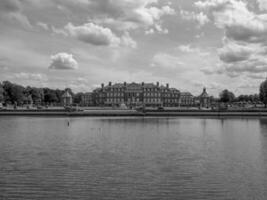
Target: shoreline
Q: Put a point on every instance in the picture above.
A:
(133, 113)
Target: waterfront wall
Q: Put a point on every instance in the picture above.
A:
(136, 113)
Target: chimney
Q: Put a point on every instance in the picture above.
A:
(167, 85)
(102, 85)
(157, 84)
(143, 83)
(109, 84)
(124, 84)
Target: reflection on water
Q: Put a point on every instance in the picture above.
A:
(133, 158)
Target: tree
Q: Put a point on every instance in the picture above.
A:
(78, 98)
(59, 94)
(50, 96)
(14, 93)
(37, 95)
(263, 92)
(1, 93)
(226, 96)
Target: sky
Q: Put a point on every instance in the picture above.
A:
(190, 44)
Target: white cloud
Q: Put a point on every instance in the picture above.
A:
(99, 36)
(236, 19)
(262, 5)
(30, 76)
(59, 31)
(245, 39)
(167, 61)
(150, 31)
(200, 18)
(189, 49)
(127, 15)
(93, 34)
(127, 41)
(42, 25)
(63, 61)
(233, 52)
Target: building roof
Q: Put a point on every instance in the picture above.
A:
(66, 94)
(134, 86)
(204, 94)
(186, 94)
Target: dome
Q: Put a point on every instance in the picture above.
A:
(204, 94)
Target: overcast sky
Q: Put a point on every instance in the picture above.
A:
(190, 44)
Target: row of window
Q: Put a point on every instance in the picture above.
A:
(115, 94)
(145, 94)
(150, 100)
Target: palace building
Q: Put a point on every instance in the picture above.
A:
(187, 99)
(136, 94)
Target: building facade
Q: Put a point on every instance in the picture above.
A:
(67, 99)
(187, 99)
(204, 99)
(87, 99)
(136, 94)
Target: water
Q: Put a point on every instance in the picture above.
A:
(133, 158)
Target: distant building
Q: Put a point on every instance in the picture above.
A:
(204, 99)
(187, 99)
(87, 99)
(67, 98)
(136, 94)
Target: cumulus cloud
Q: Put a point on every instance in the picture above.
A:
(93, 34)
(262, 4)
(236, 19)
(189, 49)
(63, 61)
(98, 35)
(11, 11)
(200, 18)
(245, 39)
(130, 14)
(233, 52)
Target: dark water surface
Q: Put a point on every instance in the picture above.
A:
(133, 158)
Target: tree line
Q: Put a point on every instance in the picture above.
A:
(11, 93)
(227, 96)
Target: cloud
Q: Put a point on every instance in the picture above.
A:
(42, 25)
(58, 31)
(8, 6)
(262, 5)
(11, 11)
(126, 40)
(236, 19)
(93, 34)
(245, 35)
(30, 76)
(63, 61)
(166, 61)
(98, 35)
(200, 18)
(233, 52)
(189, 49)
(128, 15)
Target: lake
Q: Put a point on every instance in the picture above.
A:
(133, 158)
